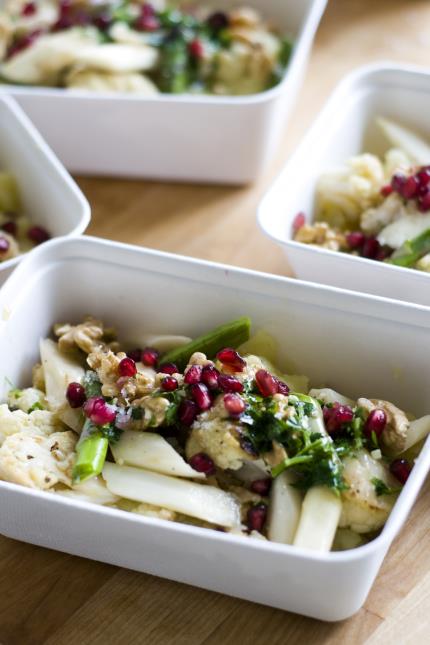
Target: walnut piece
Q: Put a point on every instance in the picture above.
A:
(106, 364)
(321, 234)
(395, 432)
(89, 336)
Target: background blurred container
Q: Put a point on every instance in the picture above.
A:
(193, 138)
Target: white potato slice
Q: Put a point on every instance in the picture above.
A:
(150, 450)
(93, 490)
(418, 430)
(197, 500)
(95, 81)
(414, 146)
(43, 62)
(346, 539)
(114, 57)
(403, 229)
(284, 509)
(327, 395)
(318, 520)
(163, 342)
(59, 370)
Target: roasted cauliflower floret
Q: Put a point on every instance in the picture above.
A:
(26, 399)
(37, 461)
(218, 436)
(373, 220)
(362, 510)
(394, 434)
(89, 336)
(38, 422)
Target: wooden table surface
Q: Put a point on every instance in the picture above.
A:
(49, 597)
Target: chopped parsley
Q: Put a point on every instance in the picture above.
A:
(92, 384)
(381, 487)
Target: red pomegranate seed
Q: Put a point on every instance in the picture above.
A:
(98, 411)
(127, 367)
(266, 383)
(384, 252)
(38, 234)
(218, 20)
(168, 368)
(103, 21)
(234, 404)
(375, 423)
(210, 376)
(202, 463)
(282, 387)
(401, 469)
(256, 517)
(23, 43)
(229, 383)
(423, 177)
(371, 248)
(397, 182)
(135, 354)
(147, 21)
(187, 412)
(75, 395)
(196, 48)
(410, 188)
(298, 222)
(29, 9)
(231, 358)
(149, 357)
(261, 486)
(355, 240)
(201, 396)
(336, 416)
(193, 375)
(386, 190)
(169, 384)
(4, 244)
(424, 202)
(10, 227)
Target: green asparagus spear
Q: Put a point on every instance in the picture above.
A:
(90, 456)
(174, 66)
(231, 334)
(412, 250)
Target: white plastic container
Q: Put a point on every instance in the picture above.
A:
(345, 127)
(50, 196)
(381, 348)
(193, 138)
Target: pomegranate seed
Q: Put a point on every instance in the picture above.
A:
(234, 404)
(135, 354)
(75, 395)
(384, 252)
(196, 49)
(266, 383)
(169, 384)
(23, 43)
(193, 375)
(10, 227)
(29, 9)
(423, 177)
(98, 411)
(168, 368)
(410, 188)
(282, 387)
(401, 469)
(127, 367)
(386, 190)
(229, 383)
(201, 396)
(187, 412)
(38, 235)
(4, 244)
(218, 20)
(370, 248)
(298, 222)
(103, 21)
(256, 517)
(397, 182)
(231, 358)
(149, 357)
(424, 202)
(202, 463)
(261, 486)
(375, 423)
(355, 240)
(210, 376)
(336, 416)
(147, 21)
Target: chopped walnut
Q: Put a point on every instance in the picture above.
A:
(113, 385)
(154, 410)
(89, 336)
(198, 358)
(321, 234)
(38, 377)
(395, 432)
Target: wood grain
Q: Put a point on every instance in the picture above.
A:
(56, 599)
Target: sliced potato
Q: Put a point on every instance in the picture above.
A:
(414, 146)
(151, 451)
(93, 490)
(197, 500)
(418, 430)
(318, 520)
(115, 57)
(164, 342)
(59, 370)
(327, 395)
(284, 509)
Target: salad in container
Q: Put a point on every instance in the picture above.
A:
(375, 207)
(206, 431)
